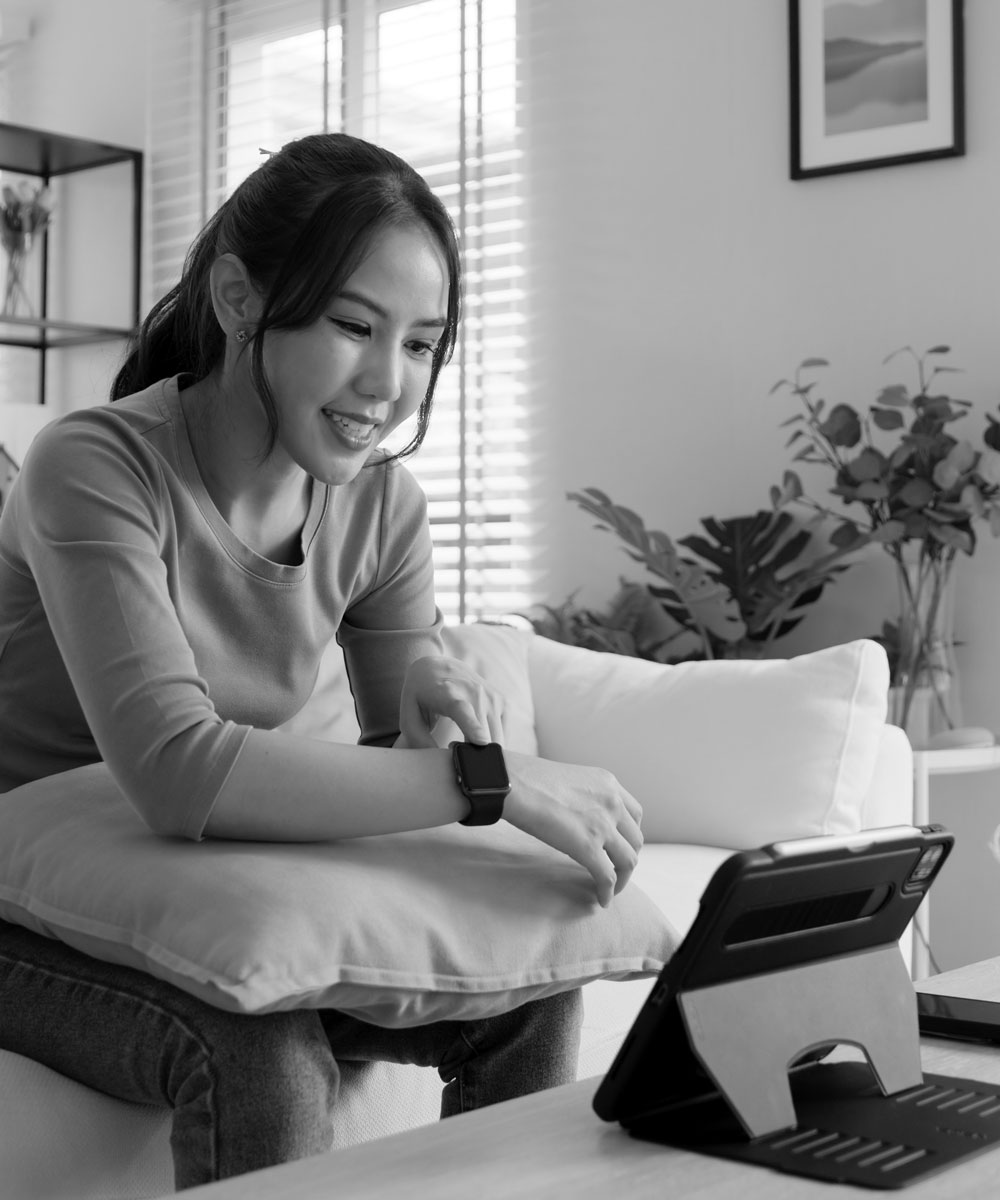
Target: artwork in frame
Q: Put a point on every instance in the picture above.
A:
(874, 83)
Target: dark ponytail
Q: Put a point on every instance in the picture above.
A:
(301, 223)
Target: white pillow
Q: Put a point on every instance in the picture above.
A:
(725, 753)
(452, 923)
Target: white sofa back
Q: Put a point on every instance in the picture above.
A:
(726, 753)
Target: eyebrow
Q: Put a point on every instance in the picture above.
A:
(372, 306)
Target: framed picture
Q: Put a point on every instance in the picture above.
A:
(874, 83)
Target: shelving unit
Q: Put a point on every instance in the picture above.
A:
(47, 156)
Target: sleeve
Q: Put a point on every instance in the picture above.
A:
(96, 515)
(396, 621)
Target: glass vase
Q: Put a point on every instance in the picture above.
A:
(924, 700)
(16, 302)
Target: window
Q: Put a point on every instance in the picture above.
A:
(435, 81)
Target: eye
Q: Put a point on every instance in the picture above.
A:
(354, 328)
(423, 349)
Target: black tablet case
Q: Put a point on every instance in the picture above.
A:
(795, 950)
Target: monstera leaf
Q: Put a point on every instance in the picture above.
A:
(756, 558)
(711, 607)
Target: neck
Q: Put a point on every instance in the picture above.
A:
(263, 499)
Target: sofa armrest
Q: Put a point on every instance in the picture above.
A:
(889, 799)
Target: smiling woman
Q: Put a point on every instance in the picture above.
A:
(174, 566)
(439, 81)
(339, 385)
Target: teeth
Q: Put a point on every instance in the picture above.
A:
(357, 429)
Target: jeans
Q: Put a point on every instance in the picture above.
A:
(251, 1091)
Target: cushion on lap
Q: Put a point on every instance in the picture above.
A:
(399, 930)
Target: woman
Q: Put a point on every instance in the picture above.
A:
(173, 565)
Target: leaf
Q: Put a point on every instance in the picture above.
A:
(846, 536)
(949, 535)
(887, 418)
(895, 395)
(939, 350)
(972, 501)
(889, 532)
(988, 466)
(759, 560)
(868, 465)
(901, 455)
(871, 491)
(916, 493)
(946, 474)
(916, 525)
(808, 363)
(962, 456)
(792, 485)
(842, 427)
(712, 609)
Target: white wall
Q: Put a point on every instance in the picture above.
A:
(677, 273)
(82, 72)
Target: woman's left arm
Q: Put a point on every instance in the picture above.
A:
(401, 681)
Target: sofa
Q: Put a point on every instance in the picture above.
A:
(721, 755)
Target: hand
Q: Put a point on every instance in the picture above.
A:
(438, 686)
(582, 811)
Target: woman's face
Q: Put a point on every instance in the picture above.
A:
(342, 384)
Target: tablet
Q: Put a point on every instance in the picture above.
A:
(764, 910)
(960, 1018)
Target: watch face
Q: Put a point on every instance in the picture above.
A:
(483, 767)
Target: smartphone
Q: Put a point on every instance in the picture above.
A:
(959, 1017)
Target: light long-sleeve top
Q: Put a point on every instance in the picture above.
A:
(136, 628)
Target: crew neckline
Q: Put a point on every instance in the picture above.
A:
(235, 547)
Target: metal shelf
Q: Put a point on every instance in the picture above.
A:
(45, 333)
(38, 152)
(48, 155)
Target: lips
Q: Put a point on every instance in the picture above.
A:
(356, 432)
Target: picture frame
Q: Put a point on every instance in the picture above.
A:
(874, 83)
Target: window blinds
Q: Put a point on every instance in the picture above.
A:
(436, 82)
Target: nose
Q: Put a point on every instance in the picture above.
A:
(380, 374)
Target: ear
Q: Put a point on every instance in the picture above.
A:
(234, 297)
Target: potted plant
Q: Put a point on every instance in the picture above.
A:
(907, 483)
(744, 582)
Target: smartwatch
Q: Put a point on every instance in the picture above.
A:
(481, 773)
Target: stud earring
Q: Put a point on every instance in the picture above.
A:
(242, 336)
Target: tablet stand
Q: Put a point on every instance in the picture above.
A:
(881, 1123)
(747, 1032)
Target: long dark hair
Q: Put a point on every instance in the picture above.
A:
(301, 223)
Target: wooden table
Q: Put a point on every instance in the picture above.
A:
(553, 1145)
